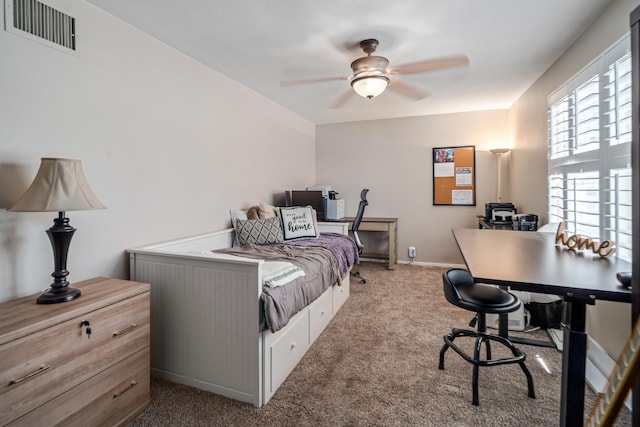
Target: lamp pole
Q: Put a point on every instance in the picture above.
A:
(499, 152)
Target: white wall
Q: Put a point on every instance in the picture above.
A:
(393, 158)
(608, 323)
(166, 143)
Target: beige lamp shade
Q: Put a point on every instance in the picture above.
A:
(59, 186)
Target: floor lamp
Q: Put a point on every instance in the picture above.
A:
(499, 152)
(59, 186)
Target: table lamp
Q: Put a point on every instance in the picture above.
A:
(59, 186)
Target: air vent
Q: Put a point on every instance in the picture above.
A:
(32, 18)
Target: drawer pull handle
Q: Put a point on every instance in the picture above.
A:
(129, 387)
(26, 377)
(125, 330)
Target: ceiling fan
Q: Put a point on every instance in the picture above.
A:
(372, 74)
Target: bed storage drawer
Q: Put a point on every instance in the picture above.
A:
(320, 314)
(284, 349)
(341, 293)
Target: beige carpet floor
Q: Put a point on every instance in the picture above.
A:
(376, 364)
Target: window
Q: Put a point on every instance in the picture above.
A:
(590, 150)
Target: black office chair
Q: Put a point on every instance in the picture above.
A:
(356, 225)
(460, 290)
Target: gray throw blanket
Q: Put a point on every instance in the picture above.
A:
(341, 246)
(321, 268)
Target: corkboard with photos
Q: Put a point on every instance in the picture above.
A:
(454, 176)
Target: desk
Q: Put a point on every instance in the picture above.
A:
(532, 262)
(387, 225)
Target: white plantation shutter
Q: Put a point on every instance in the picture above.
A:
(590, 150)
(559, 129)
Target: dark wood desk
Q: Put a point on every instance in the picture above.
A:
(532, 262)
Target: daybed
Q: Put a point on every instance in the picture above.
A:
(207, 317)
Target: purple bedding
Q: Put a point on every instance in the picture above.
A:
(325, 260)
(345, 252)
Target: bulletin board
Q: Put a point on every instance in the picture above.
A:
(454, 176)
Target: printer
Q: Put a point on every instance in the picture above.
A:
(333, 207)
(326, 189)
(525, 222)
(499, 213)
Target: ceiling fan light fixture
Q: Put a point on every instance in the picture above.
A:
(370, 86)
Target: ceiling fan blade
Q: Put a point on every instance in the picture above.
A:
(347, 95)
(433, 64)
(407, 90)
(289, 83)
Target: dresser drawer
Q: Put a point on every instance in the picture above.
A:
(43, 365)
(320, 314)
(110, 398)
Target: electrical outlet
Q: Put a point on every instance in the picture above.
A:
(412, 252)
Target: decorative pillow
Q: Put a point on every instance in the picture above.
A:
(259, 231)
(315, 222)
(235, 215)
(298, 222)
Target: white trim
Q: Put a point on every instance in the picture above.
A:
(432, 264)
(599, 366)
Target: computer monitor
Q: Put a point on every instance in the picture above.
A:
(308, 198)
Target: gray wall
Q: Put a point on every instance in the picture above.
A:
(393, 159)
(166, 143)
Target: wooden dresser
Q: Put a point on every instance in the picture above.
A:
(53, 372)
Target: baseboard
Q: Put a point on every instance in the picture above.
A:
(557, 337)
(420, 263)
(599, 366)
(432, 264)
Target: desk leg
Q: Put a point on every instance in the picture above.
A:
(503, 324)
(574, 356)
(393, 247)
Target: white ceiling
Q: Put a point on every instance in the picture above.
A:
(260, 43)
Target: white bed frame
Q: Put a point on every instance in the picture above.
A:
(206, 317)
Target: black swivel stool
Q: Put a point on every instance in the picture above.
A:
(460, 290)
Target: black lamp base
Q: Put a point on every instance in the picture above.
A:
(60, 235)
(56, 295)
